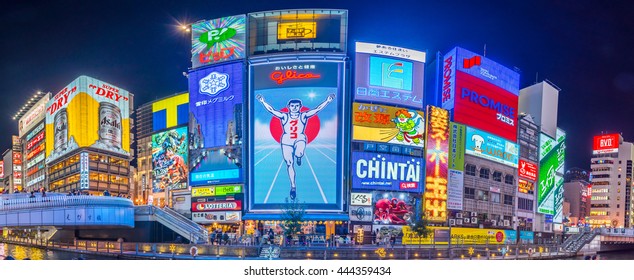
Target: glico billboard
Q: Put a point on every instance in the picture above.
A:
(218, 40)
(386, 124)
(389, 75)
(551, 169)
(480, 93)
(170, 112)
(88, 113)
(169, 160)
(605, 144)
(215, 124)
(491, 147)
(386, 172)
(33, 116)
(437, 156)
(297, 133)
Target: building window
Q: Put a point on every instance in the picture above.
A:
(483, 195)
(470, 169)
(495, 197)
(509, 179)
(469, 193)
(508, 199)
(484, 173)
(525, 204)
(497, 176)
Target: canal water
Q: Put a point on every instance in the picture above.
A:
(20, 252)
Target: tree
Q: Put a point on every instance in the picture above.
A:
(420, 228)
(292, 216)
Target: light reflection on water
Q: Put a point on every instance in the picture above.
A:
(20, 252)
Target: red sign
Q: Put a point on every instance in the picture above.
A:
(605, 144)
(35, 140)
(281, 76)
(408, 185)
(35, 151)
(485, 106)
(525, 186)
(1, 169)
(217, 205)
(527, 170)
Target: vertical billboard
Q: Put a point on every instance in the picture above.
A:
(437, 156)
(455, 180)
(393, 208)
(386, 124)
(389, 75)
(605, 144)
(386, 172)
(88, 113)
(480, 93)
(33, 116)
(170, 112)
(215, 124)
(218, 40)
(297, 134)
(552, 154)
(488, 146)
(169, 160)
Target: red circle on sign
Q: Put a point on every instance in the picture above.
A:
(499, 236)
(312, 126)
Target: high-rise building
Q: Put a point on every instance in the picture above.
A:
(577, 194)
(611, 166)
(528, 139)
(577, 174)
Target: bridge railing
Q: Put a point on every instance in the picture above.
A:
(63, 201)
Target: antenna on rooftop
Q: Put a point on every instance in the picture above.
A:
(485, 50)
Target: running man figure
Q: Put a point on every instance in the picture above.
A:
(293, 139)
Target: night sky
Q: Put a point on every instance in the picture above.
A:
(584, 47)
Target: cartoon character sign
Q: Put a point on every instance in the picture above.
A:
(387, 124)
(393, 208)
(409, 124)
(169, 160)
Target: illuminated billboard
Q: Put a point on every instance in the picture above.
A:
(170, 112)
(88, 113)
(435, 195)
(2, 169)
(525, 186)
(215, 124)
(488, 146)
(605, 144)
(386, 172)
(551, 169)
(218, 40)
(390, 75)
(394, 208)
(225, 205)
(33, 116)
(455, 178)
(297, 134)
(169, 160)
(305, 30)
(216, 190)
(217, 217)
(386, 124)
(527, 170)
(480, 93)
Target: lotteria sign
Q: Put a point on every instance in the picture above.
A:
(482, 93)
(386, 172)
(216, 206)
(604, 144)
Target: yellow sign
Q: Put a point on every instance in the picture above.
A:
(171, 105)
(387, 124)
(198, 192)
(297, 30)
(477, 236)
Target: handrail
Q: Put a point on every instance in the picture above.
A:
(172, 212)
(190, 231)
(63, 201)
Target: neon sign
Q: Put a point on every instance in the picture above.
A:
(280, 77)
(435, 195)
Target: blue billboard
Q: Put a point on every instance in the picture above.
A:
(488, 146)
(386, 172)
(296, 141)
(215, 124)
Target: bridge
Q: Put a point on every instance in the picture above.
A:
(591, 241)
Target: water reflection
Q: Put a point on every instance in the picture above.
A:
(20, 252)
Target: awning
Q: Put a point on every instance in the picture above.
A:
(307, 217)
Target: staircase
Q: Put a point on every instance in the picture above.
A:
(185, 227)
(270, 252)
(575, 243)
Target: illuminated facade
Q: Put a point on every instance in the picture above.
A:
(32, 135)
(527, 172)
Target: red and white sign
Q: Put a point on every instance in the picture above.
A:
(527, 170)
(35, 140)
(485, 106)
(217, 217)
(35, 151)
(605, 144)
(217, 206)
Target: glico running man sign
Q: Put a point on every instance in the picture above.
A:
(297, 135)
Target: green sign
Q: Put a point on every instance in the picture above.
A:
(218, 35)
(457, 146)
(225, 190)
(552, 156)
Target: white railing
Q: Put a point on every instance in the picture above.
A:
(59, 201)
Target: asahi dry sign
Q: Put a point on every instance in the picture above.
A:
(88, 113)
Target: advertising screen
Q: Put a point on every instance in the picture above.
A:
(482, 93)
(297, 30)
(2, 169)
(215, 124)
(33, 116)
(218, 40)
(297, 133)
(170, 112)
(605, 144)
(361, 213)
(364, 199)
(389, 75)
(455, 180)
(435, 195)
(88, 113)
(393, 208)
(169, 160)
(386, 124)
(386, 172)
(488, 146)
(552, 154)
(218, 205)
(527, 170)
(526, 186)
